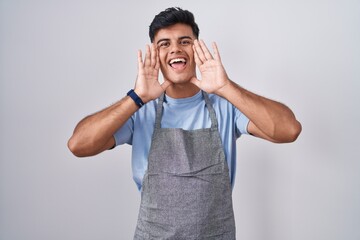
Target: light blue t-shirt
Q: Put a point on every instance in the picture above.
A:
(186, 113)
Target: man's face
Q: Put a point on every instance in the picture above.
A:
(176, 53)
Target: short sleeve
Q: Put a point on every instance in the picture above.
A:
(125, 133)
(241, 122)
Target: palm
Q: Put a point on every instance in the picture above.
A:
(147, 78)
(213, 74)
(147, 82)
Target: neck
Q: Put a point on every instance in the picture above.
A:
(182, 90)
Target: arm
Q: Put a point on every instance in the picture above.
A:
(269, 119)
(94, 134)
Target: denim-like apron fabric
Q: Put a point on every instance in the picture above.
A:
(186, 192)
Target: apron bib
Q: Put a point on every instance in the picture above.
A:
(186, 192)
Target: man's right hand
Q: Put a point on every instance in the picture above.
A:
(147, 85)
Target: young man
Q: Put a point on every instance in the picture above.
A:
(183, 132)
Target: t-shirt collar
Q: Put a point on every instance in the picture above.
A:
(192, 99)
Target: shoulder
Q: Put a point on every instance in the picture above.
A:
(147, 110)
(220, 103)
(226, 109)
(144, 121)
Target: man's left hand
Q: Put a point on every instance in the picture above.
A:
(213, 74)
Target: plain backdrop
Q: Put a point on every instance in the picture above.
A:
(63, 60)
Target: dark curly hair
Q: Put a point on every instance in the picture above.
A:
(170, 17)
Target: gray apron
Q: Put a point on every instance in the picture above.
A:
(186, 192)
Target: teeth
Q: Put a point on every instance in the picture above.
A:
(177, 60)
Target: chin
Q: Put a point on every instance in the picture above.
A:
(179, 81)
(179, 78)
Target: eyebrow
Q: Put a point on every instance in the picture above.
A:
(168, 39)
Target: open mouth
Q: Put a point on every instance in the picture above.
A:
(178, 63)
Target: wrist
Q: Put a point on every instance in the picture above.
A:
(224, 89)
(136, 98)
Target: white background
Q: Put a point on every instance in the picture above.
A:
(62, 60)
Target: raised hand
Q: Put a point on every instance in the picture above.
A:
(213, 74)
(147, 84)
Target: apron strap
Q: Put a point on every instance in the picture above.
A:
(214, 122)
(159, 111)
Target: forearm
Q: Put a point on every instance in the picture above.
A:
(94, 133)
(269, 117)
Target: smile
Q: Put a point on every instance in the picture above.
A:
(178, 63)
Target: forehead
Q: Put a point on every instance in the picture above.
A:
(175, 31)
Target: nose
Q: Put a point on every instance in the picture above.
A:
(175, 48)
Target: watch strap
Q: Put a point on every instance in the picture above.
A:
(138, 101)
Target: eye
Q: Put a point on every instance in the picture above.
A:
(185, 42)
(164, 44)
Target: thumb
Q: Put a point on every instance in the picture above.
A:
(166, 84)
(195, 81)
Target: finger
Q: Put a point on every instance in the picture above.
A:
(196, 57)
(216, 52)
(206, 51)
(147, 61)
(195, 81)
(199, 51)
(157, 60)
(139, 58)
(165, 84)
(153, 55)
